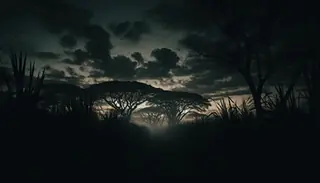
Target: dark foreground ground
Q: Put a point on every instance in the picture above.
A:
(70, 148)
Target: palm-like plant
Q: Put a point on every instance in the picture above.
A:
(246, 109)
(24, 90)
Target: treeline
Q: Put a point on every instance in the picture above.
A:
(24, 91)
(57, 130)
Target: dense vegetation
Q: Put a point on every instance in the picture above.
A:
(50, 130)
(62, 131)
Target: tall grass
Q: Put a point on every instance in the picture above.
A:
(229, 110)
(282, 102)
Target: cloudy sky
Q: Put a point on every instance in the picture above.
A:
(83, 42)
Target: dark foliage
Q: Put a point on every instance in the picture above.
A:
(42, 145)
(75, 144)
(54, 132)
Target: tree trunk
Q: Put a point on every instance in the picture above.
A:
(173, 121)
(258, 105)
(255, 92)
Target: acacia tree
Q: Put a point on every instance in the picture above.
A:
(123, 96)
(176, 105)
(152, 115)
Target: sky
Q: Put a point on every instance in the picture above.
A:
(83, 42)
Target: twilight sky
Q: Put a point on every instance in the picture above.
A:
(83, 42)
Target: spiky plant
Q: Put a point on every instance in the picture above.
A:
(246, 109)
(226, 111)
(282, 102)
(231, 111)
(26, 92)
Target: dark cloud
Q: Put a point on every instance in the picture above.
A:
(130, 30)
(122, 67)
(197, 65)
(97, 48)
(61, 16)
(66, 19)
(78, 57)
(120, 29)
(54, 74)
(199, 15)
(67, 61)
(119, 67)
(199, 43)
(71, 71)
(152, 70)
(138, 57)
(99, 45)
(142, 27)
(83, 68)
(166, 57)
(68, 41)
(171, 15)
(45, 55)
(138, 28)
(165, 61)
(132, 35)
(58, 16)
(213, 37)
(10, 9)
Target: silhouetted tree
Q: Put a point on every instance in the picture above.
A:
(302, 46)
(123, 96)
(152, 115)
(176, 105)
(247, 40)
(311, 78)
(248, 48)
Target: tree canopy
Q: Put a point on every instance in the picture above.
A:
(176, 105)
(152, 115)
(123, 96)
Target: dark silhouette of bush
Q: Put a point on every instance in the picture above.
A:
(229, 144)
